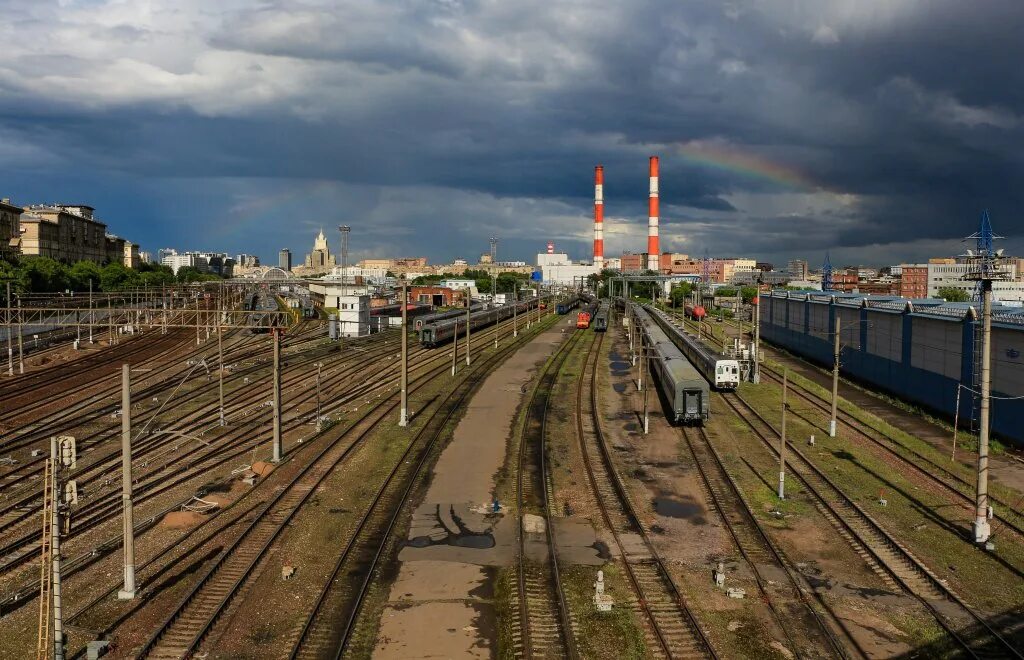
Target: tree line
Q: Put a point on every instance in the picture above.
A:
(46, 275)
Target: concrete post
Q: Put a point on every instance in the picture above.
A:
(55, 525)
(835, 380)
(91, 318)
(110, 322)
(10, 334)
(128, 592)
(982, 528)
(198, 341)
(782, 437)
(403, 418)
(276, 336)
(455, 347)
(757, 337)
(220, 359)
(21, 342)
(469, 305)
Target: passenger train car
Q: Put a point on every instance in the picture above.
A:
(722, 372)
(440, 316)
(600, 322)
(441, 332)
(261, 302)
(567, 305)
(683, 386)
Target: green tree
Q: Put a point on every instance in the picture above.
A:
(192, 274)
(42, 275)
(427, 280)
(680, 293)
(84, 272)
(953, 294)
(116, 276)
(748, 293)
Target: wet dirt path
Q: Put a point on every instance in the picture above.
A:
(441, 602)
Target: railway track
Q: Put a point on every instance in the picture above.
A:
(543, 627)
(221, 583)
(884, 554)
(807, 633)
(671, 630)
(328, 629)
(915, 462)
(150, 484)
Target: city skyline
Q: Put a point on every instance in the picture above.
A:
(783, 132)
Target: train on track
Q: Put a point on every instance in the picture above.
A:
(583, 320)
(721, 371)
(683, 386)
(441, 316)
(261, 301)
(565, 306)
(600, 322)
(442, 332)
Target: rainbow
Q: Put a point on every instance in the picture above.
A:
(728, 158)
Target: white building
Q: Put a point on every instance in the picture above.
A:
(556, 268)
(175, 261)
(460, 283)
(612, 263)
(373, 274)
(943, 275)
(353, 315)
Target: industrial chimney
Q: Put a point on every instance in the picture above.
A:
(653, 249)
(551, 247)
(599, 217)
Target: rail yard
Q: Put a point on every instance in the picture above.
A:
(576, 477)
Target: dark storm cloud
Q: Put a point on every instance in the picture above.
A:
(438, 124)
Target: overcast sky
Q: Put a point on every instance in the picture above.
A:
(877, 129)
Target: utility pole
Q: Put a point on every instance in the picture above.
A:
(982, 529)
(91, 319)
(318, 415)
(10, 334)
(110, 323)
(455, 346)
(128, 592)
(21, 342)
(515, 311)
(782, 437)
(220, 355)
(835, 379)
(276, 337)
(468, 313)
(403, 418)
(55, 531)
(757, 335)
(197, 320)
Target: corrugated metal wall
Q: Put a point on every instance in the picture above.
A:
(918, 357)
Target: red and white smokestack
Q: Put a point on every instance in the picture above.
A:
(551, 248)
(599, 217)
(653, 249)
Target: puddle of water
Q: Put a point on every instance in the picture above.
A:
(631, 427)
(477, 541)
(619, 387)
(602, 550)
(672, 508)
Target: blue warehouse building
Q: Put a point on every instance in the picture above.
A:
(918, 350)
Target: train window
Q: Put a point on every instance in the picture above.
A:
(719, 369)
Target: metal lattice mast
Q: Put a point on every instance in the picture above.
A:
(984, 268)
(826, 274)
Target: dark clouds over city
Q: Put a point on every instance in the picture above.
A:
(877, 129)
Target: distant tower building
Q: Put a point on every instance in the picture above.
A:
(320, 259)
(284, 259)
(798, 269)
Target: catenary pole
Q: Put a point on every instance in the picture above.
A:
(276, 335)
(128, 592)
(10, 334)
(982, 528)
(403, 418)
(55, 526)
(782, 437)
(835, 379)
(469, 307)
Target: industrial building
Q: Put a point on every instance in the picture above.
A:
(922, 351)
(556, 268)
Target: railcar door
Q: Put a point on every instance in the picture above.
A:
(692, 402)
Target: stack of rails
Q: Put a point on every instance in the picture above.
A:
(722, 372)
(441, 316)
(600, 322)
(567, 305)
(440, 332)
(684, 387)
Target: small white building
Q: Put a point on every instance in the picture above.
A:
(353, 315)
(459, 283)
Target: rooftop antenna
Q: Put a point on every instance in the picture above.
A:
(984, 267)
